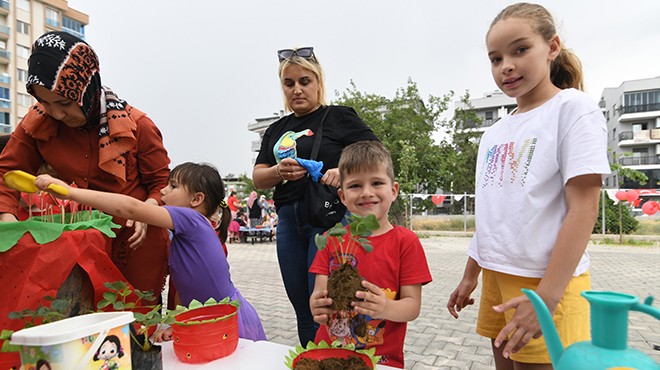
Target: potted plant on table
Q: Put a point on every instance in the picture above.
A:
(331, 356)
(119, 296)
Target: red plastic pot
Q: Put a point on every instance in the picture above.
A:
(323, 353)
(10, 360)
(205, 334)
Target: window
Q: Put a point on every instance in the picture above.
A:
(641, 101)
(73, 26)
(24, 99)
(22, 51)
(3, 45)
(4, 98)
(636, 127)
(23, 4)
(489, 115)
(52, 17)
(22, 27)
(22, 75)
(640, 152)
(4, 120)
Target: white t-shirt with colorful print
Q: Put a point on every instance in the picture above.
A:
(524, 163)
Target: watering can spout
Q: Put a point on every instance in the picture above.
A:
(552, 341)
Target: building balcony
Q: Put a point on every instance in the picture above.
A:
(4, 7)
(74, 32)
(5, 32)
(641, 112)
(5, 79)
(636, 138)
(639, 160)
(255, 146)
(5, 129)
(4, 56)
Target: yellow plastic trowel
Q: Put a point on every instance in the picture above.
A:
(23, 181)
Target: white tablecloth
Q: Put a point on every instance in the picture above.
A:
(249, 355)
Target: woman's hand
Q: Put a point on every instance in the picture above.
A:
(319, 303)
(524, 325)
(291, 170)
(331, 177)
(372, 303)
(140, 234)
(7, 217)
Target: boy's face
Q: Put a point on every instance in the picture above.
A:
(369, 192)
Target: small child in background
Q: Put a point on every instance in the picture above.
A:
(394, 271)
(198, 266)
(538, 180)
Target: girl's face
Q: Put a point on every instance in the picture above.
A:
(108, 350)
(301, 89)
(520, 60)
(175, 194)
(60, 108)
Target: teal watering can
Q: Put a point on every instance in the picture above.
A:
(608, 348)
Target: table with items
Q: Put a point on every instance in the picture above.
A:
(256, 234)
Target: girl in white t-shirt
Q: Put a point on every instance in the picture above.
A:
(538, 180)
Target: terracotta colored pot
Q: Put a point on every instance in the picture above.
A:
(205, 334)
(323, 353)
(10, 360)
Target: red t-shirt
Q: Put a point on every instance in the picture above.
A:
(231, 203)
(397, 259)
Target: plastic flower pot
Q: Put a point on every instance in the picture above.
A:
(205, 334)
(325, 353)
(335, 350)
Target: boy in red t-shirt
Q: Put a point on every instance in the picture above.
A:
(393, 272)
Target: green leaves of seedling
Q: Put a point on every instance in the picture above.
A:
(360, 227)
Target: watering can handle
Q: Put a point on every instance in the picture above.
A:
(647, 308)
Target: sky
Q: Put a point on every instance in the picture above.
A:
(204, 70)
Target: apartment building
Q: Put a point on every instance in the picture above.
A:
(21, 22)
(489, 108)
(259, 126)
(632, 111)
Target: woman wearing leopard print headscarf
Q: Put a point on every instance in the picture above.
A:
(90, 137)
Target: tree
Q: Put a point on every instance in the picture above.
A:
(405, 124)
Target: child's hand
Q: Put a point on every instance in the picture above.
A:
(43, 181)
(163, 335)
(523, 326)
(460, 297)
(372, 303)
(319, 303)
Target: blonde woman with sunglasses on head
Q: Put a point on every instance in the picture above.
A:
(303, 86)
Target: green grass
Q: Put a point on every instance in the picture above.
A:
(648, 226)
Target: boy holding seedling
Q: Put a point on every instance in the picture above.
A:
(392, 274)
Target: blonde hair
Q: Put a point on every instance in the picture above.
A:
(364, 156)
(566, 69)
(310, 64)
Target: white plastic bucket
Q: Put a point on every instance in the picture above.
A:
(86, 342)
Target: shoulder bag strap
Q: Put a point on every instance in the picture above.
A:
(319, 134)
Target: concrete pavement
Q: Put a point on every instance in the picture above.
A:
(436, 340)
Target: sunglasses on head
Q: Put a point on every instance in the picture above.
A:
(307, 53)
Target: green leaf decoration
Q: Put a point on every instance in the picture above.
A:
(170, 317)
(119, 306)
(323, 345)
(110, 296)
